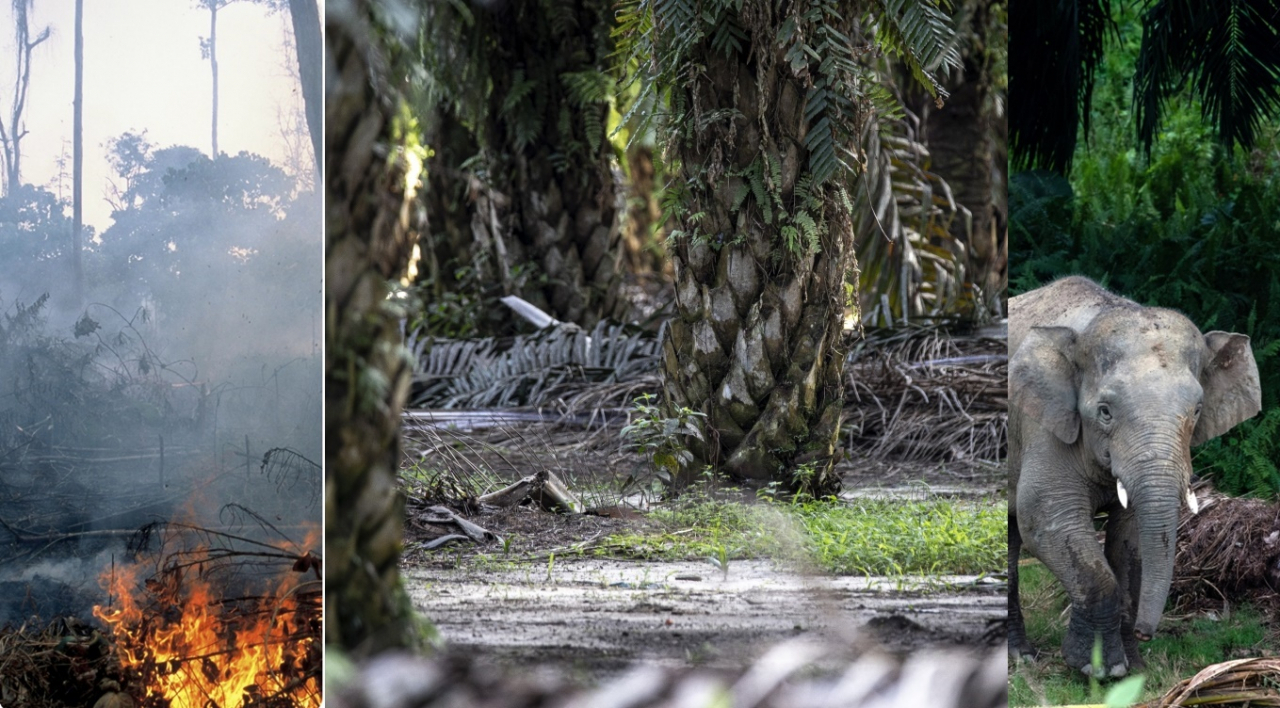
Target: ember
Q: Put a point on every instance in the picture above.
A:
(194, 633)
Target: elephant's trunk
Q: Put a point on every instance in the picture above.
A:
(1157, 480)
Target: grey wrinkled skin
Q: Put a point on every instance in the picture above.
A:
(1103, 389)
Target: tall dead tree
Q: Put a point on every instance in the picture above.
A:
(11, 134)
(209, 49)
(305, 16)
(77, 179)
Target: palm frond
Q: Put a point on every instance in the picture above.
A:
(528, 370)
(1055, 49)
(1229, 53)
(923, 36)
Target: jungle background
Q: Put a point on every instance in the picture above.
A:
(1163, 187)
(753, 386)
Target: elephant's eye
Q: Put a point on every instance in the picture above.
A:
(1104, 413)
(1199, 407)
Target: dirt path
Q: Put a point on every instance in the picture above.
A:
(598, 616)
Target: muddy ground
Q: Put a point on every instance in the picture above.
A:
(599, 616)
(596, 616)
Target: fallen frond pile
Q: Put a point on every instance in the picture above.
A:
(61, 664)
(925, 394)
(536, 369)
(1228, 551)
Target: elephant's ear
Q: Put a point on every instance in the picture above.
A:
(1232, 393)
(1042, 380)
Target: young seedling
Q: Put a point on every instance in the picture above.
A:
(721, 560)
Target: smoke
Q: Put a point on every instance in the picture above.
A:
(185, 387)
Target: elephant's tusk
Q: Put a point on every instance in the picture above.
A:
(1124, 495)
(1193, 502)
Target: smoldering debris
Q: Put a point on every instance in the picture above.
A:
(200, 614)
(100, 435)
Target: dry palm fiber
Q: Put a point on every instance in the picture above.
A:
(1228, 551)
(1241, 683)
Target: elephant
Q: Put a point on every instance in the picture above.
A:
(1107, 397)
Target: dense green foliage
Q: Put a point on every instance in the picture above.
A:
(1193, 227)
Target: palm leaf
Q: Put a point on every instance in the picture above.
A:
(1056, 48)
(1227, 50)
(923, 36)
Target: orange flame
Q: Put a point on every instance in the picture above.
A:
(181, 644)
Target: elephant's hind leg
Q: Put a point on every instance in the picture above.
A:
(1019, 645)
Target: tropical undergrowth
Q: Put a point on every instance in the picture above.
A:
(1191, 227)
(1181, 648)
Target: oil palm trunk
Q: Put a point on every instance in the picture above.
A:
(964, 137)
(760, 262)
(544, 202)
(370, 180)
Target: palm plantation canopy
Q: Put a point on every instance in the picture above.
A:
(1225, 52)
(781, 137)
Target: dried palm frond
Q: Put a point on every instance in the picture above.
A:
(58, 664)
(1240, 684)
(529, 370)
(1230, 550)
(911, 265)
(295, 476)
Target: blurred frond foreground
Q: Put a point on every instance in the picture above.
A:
(778, 679)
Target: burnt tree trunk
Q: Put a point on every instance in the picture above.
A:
(213, 66)
(305, 17)
(77, 160)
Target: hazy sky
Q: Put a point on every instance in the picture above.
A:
(144, 70)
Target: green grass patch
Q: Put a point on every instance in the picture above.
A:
(865, 537)
(1180, 649)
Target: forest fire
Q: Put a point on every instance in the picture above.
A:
(194, 634)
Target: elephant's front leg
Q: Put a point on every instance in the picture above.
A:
(1126, 563)
(1065, 542)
